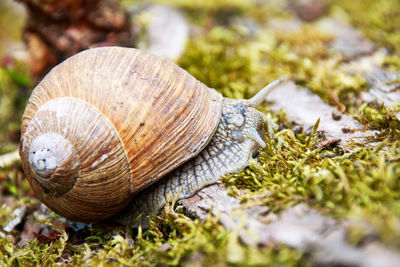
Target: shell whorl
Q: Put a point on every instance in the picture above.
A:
(76, 160)
(53, 162)
(129, 116)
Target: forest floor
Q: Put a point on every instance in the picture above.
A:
(325, 190)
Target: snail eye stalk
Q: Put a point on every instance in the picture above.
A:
(252, 134)
(260, 97)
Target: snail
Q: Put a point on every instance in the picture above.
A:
(111, 131)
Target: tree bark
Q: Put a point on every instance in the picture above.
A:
(55, 30)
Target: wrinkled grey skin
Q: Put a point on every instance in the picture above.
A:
(236, 140)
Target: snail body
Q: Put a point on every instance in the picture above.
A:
(103, 127)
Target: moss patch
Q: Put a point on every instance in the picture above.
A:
(361, 184)
(379, 20)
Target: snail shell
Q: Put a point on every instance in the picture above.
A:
(108, 122)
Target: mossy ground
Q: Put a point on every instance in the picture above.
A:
(359, 184)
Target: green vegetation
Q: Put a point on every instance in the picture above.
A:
(378, 20)
(357, 184)
(13, 96)
(362, 184)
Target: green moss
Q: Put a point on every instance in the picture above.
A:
(379, 20)
(173, 239)
(377, 116)
(32, 254)
(392, 62)
(221, 62)
(209, 14)
(238, 64)
(362, 184)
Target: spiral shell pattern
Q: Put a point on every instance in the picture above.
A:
(108, 122)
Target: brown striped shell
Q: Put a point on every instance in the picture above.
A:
(108, 122)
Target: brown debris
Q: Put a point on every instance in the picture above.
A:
(55, 30)
(335, 98)
(309, 10)
(329, 143)
(46, 235)
(336, 115)
(31, 229)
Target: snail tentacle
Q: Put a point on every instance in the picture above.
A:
(270, 122)
(260, 97)
(253, 135)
